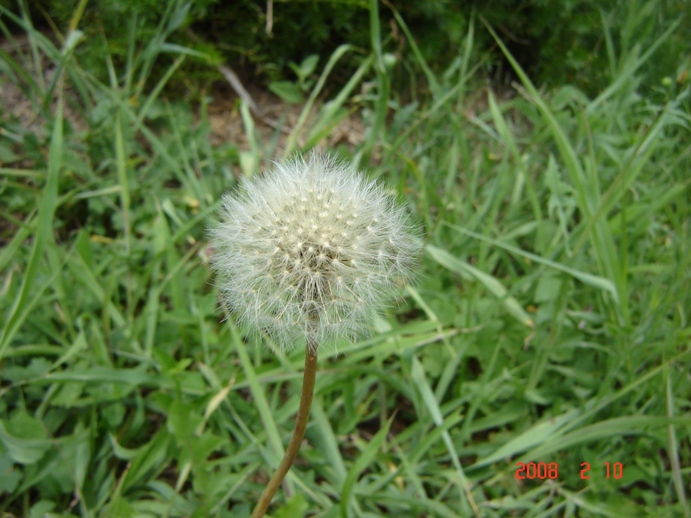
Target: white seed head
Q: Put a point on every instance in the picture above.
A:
(294, 269)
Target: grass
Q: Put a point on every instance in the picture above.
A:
(550, 324)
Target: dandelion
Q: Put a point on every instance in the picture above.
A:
(309, 250)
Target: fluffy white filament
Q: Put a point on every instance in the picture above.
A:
(309, 249)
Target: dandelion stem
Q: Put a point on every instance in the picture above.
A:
(308, 379)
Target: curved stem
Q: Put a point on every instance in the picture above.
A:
(298, 433)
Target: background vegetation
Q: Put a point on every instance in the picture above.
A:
(554, 41)
(550, 323)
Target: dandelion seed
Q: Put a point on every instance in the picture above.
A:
(366, 252)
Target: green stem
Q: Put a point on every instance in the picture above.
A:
(298, 434)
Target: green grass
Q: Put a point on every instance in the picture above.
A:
(550, 323)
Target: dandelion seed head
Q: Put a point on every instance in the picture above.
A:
(309, 249)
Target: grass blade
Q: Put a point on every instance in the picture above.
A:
(43, 235)
(493, 285)
(365, 459)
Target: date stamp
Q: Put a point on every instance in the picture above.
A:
(550, 470)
